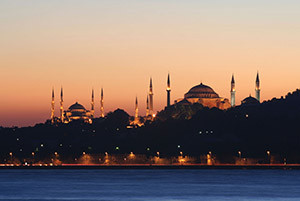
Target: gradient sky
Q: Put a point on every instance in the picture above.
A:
(87, 44)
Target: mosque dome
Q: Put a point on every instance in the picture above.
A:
(201, 91)
(250, 101)
(76, 106)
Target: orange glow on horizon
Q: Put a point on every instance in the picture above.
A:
(108, 45)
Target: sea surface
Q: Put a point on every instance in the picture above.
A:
(165, 185)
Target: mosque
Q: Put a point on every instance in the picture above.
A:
(201, 94)
(206, 96)
(76, 111)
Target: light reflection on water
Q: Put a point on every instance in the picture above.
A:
(175, 185)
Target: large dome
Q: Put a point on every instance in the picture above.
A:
(201, 91)
(250, 101)
(76, 106)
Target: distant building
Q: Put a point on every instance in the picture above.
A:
(206, 96)
(78, 112)
(250, 101)
(75, 111)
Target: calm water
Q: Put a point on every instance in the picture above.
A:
(150, 185)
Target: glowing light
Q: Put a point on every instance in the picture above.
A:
(131, 155)
(32, 153)
(117, 148)
(154, 115)
(10, 153)
(83, 153)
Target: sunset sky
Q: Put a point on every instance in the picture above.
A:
(118, 45)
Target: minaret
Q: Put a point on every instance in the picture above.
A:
(61, 105)
(168, 91)
(257, 88)
(136, 116)
(151, 97)
(101, 104)
(52, 107)
(147, 108)
(92, 104)
(232, 91)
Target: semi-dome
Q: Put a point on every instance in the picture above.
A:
(76, 106)
(250, 101)
(201, 91)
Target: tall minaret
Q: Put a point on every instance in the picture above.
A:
(147, 107)
(92, 104)
(102, 104)
(151, 97)
(61, 105)
(168, 91)
(136, 116)
(52, 107)
(232, 91)
(257, 88)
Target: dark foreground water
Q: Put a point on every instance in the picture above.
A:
(150, 185)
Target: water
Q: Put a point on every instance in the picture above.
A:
(165, 185)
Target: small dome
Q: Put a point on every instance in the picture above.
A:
(250, 101)
(76, 106)
(201, 91)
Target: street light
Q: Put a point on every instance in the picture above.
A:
(131, 155)
(32, 153)
(269, 156)
(240, 156)
(11, 155)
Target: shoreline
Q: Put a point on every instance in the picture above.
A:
(155, 166)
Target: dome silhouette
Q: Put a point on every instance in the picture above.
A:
(76, 106)
(250, 101)
(201, 91)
